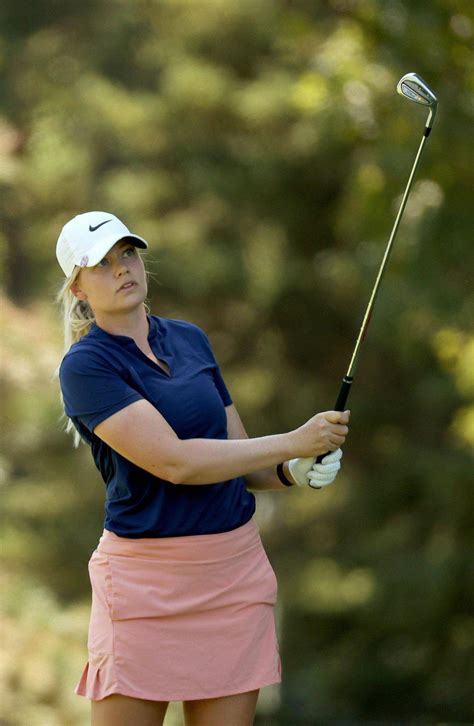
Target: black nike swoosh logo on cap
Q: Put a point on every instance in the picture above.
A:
(93, 229)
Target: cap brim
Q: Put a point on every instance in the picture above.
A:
(97, 253)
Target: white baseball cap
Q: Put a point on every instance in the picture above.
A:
(87, 238)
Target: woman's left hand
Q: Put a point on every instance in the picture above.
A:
(306, 472)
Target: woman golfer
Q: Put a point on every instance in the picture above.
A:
(182, 590)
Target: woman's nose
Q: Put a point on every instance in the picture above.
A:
(120, 267)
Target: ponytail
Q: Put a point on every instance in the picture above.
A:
(77, 319)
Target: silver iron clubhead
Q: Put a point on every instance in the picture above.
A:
(413, 87)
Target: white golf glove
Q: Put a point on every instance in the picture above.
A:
(306, 472)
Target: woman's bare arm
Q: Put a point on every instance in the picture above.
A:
(139, 433)
(265, 479)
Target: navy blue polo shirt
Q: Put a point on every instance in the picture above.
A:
(101, 374)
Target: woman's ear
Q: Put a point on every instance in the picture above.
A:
(76, 290)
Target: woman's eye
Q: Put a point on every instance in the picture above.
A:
(126, 252)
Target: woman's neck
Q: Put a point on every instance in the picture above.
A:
(134, 324)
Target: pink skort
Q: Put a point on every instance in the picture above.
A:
(181, 618)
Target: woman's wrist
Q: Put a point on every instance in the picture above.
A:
(284, 475)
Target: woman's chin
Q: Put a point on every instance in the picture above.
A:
(132, 302)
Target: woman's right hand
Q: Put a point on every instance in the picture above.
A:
(323, 432)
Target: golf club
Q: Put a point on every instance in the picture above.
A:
(413, 87)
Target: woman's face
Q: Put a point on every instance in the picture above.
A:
(101, 285)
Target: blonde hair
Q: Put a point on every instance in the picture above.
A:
(77, 318)
(77, 315)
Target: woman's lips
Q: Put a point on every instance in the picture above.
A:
(127, 286)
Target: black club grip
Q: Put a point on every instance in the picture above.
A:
(340, 404)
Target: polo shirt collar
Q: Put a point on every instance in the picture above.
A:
(97, 332)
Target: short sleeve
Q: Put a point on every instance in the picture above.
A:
(221, 386)
(92, 389)
(218, 379)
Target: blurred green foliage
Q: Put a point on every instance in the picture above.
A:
(262, 150)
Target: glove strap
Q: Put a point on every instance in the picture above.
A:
(282, 477)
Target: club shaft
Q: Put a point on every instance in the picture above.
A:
(373, 297)
(346, 384)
